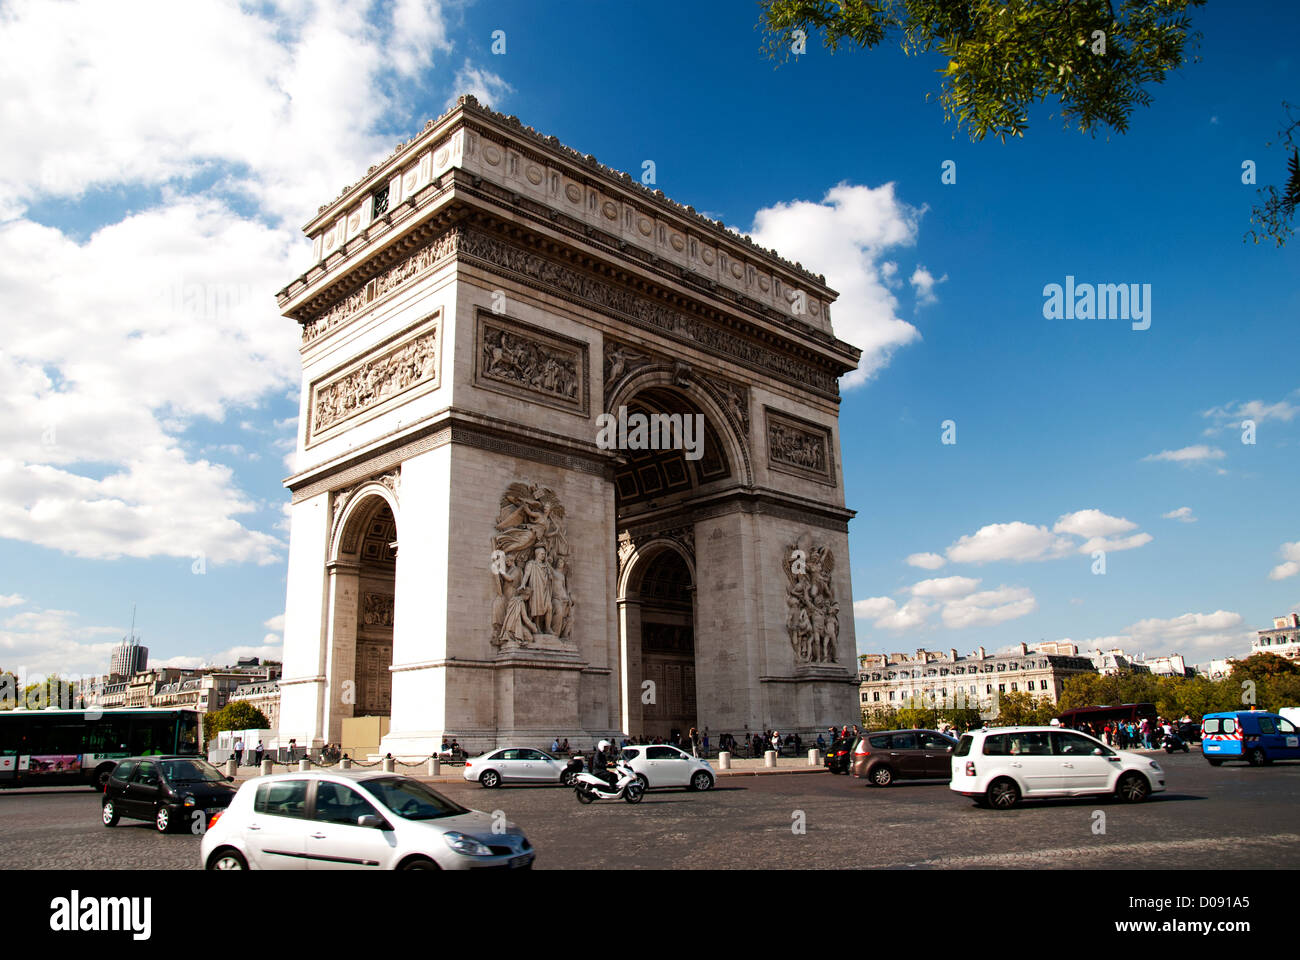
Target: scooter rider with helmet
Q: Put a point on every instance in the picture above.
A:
(600, 761)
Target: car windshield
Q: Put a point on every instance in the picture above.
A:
(191, 771)
(411, 799)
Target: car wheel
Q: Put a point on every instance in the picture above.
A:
(420, 863)
(100, 783)
(490, 779)
(1133, 788)
(568, 779)
(162, 820)
(1003, 794)
(227, 858)
(584, 794)
(110, 814)
(882, 776)
(634, 792)
(1257, 757)
(1214, 763)
(701, 781)
(642, 779)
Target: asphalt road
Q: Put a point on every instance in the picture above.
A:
(1230, 817)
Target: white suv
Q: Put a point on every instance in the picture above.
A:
(1000, 766)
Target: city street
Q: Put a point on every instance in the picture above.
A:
(1230, 817)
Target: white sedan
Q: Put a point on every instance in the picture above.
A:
(356, 821)
(660, 765)
(515, 765)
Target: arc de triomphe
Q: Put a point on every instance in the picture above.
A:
(465, 556)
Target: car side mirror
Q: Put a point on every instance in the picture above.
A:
(950, 749)
(370, 820)
(1098, 752)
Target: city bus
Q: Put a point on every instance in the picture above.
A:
(52, 747)
(1100, 716)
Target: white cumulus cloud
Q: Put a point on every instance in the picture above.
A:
(1290, 565)
(846, 237)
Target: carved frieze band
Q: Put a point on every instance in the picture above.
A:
(389, 370)
(525, 361)
(643, 311)
(422, 261)
(799, 447)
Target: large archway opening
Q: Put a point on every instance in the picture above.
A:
(363, 609)
(657, 491)
(377, 574)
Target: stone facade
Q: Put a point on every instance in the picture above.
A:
(892, 680)
(451, 504)
(1283, 640)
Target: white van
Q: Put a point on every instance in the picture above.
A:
(1000, 766)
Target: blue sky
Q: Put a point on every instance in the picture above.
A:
(179, 148)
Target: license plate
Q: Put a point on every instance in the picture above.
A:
(523, 861)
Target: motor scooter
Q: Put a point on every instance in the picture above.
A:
(570, 775)
(1173, 741)
(589, 788)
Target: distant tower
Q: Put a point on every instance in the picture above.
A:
(129, 656)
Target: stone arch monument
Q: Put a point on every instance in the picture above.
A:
(467, 556)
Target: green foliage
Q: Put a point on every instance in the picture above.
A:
(1002, 56)
(1274, 217)
(237, 715)
(1276, 684)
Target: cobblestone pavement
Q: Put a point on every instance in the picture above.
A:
(1233, 816)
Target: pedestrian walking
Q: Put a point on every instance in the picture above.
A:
(239, 751)
(258, 753)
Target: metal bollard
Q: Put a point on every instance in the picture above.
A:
(769, 758)
(724, 760)
(345, 763)
(389, 764)
(434, 766)
(231, 767)
(267, 768)
(304, 765)
(814, 757)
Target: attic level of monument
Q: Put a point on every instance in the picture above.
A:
(602, 223)
(691, 316)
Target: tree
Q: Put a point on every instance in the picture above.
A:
(236, 715)
(1274, 217)
(1096, 57)
(1016, 709)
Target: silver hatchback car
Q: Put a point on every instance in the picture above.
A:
(356, 821)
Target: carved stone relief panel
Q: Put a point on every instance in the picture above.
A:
(534, 599)
(812, 612)
(376, 610)
(799, 447)
(526, 361)
(393, 369)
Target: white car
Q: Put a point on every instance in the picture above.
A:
(356, 820)
(660, 765)
(1002, 765)
(516, 765)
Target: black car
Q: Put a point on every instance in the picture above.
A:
(839, 758)
(173, 792)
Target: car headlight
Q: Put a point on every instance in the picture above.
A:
(188, 802)
(467, 846)
(1154, 765)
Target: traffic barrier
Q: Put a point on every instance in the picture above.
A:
(388, 763)
(345, 763)
(232, 768)
(267, 766)
(724, 760)
(304, 765)
(769, 758)
(434, 766)
(814, 757)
